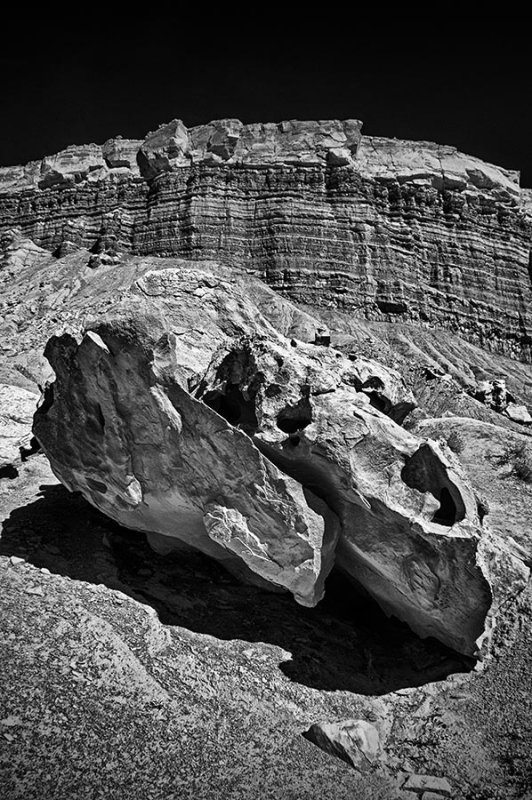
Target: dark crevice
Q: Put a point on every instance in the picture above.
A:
(380, 402)
(96, 486)
(100, 416)
(373, 387)
(233, 407)
(315, 476)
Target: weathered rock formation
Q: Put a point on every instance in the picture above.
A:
(185, 413)
(387, 229)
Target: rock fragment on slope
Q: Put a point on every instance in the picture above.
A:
(355, 741)
(186, 414)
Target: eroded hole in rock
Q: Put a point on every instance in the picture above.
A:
(446, 514)
(423, 471)
(97, 486)
(373, 387)
(9, 471)
(373, 382)
(295, 418)
(379, 402)
(237, 382)
(234, 407)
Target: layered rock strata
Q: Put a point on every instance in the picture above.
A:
(185, 413)
(384, 228)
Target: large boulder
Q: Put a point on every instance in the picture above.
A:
(186, 414)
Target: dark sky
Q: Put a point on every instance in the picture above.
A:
(91, 78)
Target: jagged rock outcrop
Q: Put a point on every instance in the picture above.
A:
(384, 228)
(186, 414)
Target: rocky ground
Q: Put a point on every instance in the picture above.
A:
(130, 675)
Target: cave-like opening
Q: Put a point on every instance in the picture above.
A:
(291, 419)
(424, 472)
(234, 407)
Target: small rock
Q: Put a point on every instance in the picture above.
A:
(16, 560)
(355, 741)
(518, 413)
(428, 783)
(45, 571)
(37, 590)
(10, 721)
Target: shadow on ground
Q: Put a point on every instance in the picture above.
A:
(346, 642)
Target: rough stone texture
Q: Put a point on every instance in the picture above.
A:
(431, 783)
(388, 229)
(17, 407)
(355, 741)
(184, 412)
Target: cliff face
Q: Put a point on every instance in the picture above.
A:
(388, 229)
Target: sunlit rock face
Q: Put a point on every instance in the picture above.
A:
(391, 230)
(17, 407)
(187, 414)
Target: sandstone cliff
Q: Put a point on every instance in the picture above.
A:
(384, 229)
